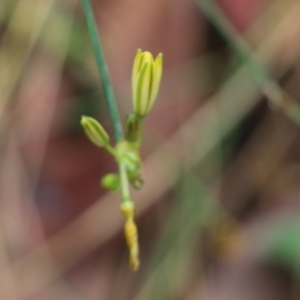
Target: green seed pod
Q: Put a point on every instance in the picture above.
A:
(134, 169)
(111, 182)
(130, 158)
(132, 162)
(94, 131)
(137, 181)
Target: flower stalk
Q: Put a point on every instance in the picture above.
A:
(146, 76)
(103, 71)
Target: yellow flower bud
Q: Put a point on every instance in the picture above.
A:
(146, 77)
(94, 131)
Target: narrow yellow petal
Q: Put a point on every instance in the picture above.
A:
(137, 63)
(147, 58)
(140, 102)
(157, 74)
(135, 70)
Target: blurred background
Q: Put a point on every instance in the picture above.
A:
(218, 217)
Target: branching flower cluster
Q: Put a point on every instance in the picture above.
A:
(146, 77)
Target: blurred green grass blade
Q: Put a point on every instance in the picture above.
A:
(176, 247)
(28, 18)
(270, 88)
(283, 244)
(234, 40)
(53, 36)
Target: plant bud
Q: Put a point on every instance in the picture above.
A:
(146, 77)
(111, 182)
(94, 131)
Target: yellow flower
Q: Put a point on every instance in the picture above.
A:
(146, 77)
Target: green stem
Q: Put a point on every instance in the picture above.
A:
(102, 68)
(124, 182)
(111, 150)
(139, 134)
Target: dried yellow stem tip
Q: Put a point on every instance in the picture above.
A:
(131, 235)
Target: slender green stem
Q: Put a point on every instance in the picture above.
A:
(102, 68)
(111, 150)
(124, 182)
(139, 134)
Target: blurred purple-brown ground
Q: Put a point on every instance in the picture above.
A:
(219, 216)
